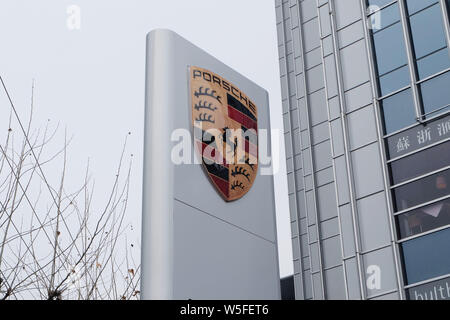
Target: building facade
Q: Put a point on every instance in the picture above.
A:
(366, 107)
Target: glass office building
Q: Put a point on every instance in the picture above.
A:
(366, 107)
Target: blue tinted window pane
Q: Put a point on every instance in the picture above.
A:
(416, 5)
(394, 80)
(428, 31)
(421, 191)
(379, 3)
(436, 94)
(427, 257)
(386, 17)
(433, 63)
(398, 111)
(389, 48)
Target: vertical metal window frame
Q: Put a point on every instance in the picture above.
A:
(377, 103)
(411, 60)
(347, 152)
(313, 179)
(344, 268)
(397, 91)
(445, 18)
(283, 28)
(415, 83)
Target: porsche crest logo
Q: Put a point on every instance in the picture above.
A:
(225, 123)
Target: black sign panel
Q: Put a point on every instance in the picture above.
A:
(437, 290)
(418, 137)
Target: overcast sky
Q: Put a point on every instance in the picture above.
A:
(91, 80)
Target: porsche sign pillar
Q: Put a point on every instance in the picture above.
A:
(208, 221)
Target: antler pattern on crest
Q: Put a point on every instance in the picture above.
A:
(205, 105)
(207, 92)
(246, 160)
(204, 117)
(240, 171)
(237, 185)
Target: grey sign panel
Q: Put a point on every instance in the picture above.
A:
(195, 245)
